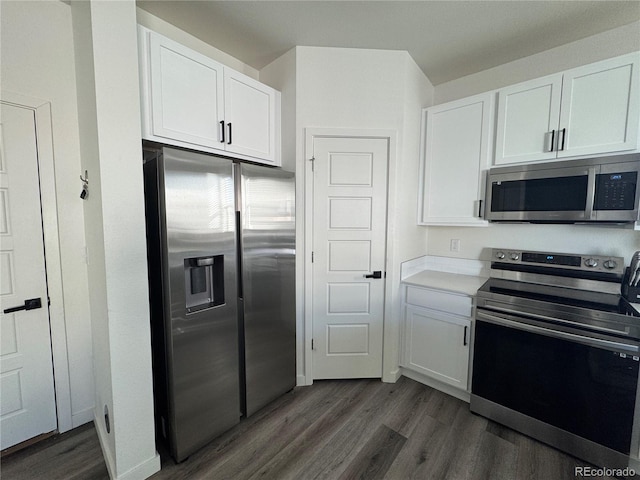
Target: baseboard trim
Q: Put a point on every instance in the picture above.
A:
(438, 385)
(80, 418)
(301, 381)
(104, 445)
(392, 377)
(141, 471)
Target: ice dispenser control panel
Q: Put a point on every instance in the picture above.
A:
(203, 282)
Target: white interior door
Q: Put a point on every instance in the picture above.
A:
(349, 240)
(27, 399)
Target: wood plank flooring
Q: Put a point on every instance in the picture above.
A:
(337, 429)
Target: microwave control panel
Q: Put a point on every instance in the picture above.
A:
(616, 191)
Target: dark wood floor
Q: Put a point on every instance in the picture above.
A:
(338, 429)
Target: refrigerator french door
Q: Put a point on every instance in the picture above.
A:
(221, 248)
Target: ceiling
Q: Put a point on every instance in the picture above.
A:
(447, 39)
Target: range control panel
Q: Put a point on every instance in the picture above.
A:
(596, 263)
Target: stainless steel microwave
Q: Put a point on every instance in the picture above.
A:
(594, 190)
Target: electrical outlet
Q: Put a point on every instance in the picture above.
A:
(454, 246)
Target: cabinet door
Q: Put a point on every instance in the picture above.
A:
(528, 115)
(600, 108)
(186, 94)
(456, 153)
(250, 113)
(437, 345)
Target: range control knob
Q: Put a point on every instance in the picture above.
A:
(514, 256)
(591, 262)
(610, 264)
(500, 255)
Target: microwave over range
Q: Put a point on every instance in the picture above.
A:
(594, 190)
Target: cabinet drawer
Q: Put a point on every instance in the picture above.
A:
(443, 301)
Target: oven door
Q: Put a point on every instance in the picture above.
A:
(567, 379)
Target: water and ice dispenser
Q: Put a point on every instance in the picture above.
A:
(203, 282)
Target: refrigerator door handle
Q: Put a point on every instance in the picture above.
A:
(239, 255)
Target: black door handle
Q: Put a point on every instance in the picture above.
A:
(375, 274)
(30, 304)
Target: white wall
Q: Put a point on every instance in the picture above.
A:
(625, 39)
(475, 242)
(281, 75)
(158, 25)
(37, 61)
(367, 89)
(108, 101)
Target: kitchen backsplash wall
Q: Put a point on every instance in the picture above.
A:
(475, 243)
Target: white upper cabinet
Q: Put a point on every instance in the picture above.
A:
(456, 151)
(589, 110)
(600, 108)
(527, 114)
(250, 113)
(192, 101)
(187, 100)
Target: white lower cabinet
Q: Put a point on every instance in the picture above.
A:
(437, 343)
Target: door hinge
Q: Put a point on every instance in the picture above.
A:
(312, 345)
(311, 257)
(313, 163)
(49, 301)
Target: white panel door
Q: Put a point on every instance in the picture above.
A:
(186, 94)
(250, 114)
(600, 108)
(349, 240)
(527, 123)
(27, 400)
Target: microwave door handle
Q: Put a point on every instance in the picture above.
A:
(589, 213)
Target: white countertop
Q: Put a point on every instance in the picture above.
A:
(450, 282)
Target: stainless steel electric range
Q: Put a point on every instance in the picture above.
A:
(556, 354)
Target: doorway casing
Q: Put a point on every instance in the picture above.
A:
(390, 364)
(46, 169)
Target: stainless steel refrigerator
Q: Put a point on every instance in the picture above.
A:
(221, 255)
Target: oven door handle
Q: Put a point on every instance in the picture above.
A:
(572, 337)
(490, 306)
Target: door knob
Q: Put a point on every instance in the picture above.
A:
(375, 274)
(30, 304)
